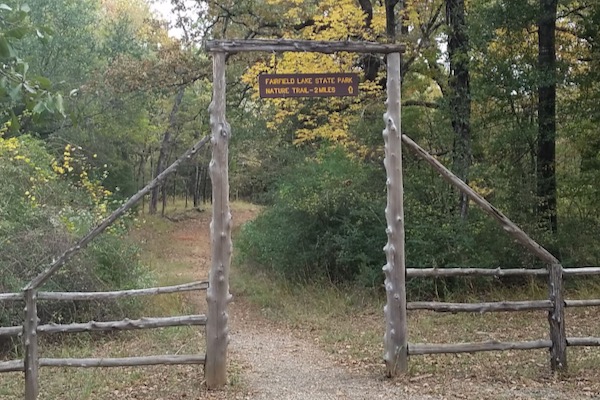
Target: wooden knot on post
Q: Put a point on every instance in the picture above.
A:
(391, 126)
(224, 130)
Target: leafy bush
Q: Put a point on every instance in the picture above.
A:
(45, 205)
(326, 223)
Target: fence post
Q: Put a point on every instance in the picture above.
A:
(217, 295)
(395, 339)
(30, 345)
(556, 319)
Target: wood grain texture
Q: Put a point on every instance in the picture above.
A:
(396, 330)
(122, 362)
(421, 348)
(582, 303)
(30, 346)
(446, 272)
(481, 307)
(327, 47)
(118, 294)
(12, 366)
(583, 341)
(556, 319)
(123, 325)
(217, 295)
(17, 365)
(581, 271)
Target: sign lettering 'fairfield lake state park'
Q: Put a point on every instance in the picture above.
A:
(308, 85)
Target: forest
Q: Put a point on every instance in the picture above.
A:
(100, 96)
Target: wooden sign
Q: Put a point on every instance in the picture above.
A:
(308, 85)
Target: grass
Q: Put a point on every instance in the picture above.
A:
(171, 257)
(348, 322)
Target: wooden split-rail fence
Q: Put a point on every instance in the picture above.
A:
(31, 329)
(557, 339)
(555, 305)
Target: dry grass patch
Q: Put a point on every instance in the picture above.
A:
(176, 252)
(103, 383)
(348, 323)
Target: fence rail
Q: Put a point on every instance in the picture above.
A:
(497, 272)
(582, 303)
(422, 348)
(502, 306)
(118, 294)
(123, 325)
(474, 347)
(583, 341)
(30, 330)
(18, 365)
(480, 307)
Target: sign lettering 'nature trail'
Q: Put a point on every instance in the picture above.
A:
(308, 85)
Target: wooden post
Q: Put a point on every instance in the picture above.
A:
(395, 339)
(30, 345)
(556, 316)
(218, 296)
(509, 227)
(556, 319)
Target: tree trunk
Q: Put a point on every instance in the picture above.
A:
(164, 148)
(174, 187)
(205, 192)
(390, 19)
(144, 182)
(187, 192)
(367, 8)
(197, 185)
(460, 94)
(164, 198)
(546, 151)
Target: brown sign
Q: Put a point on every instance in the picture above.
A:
(308, 85)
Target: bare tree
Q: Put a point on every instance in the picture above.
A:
(546, 151)
(165, 146)
(460, 93)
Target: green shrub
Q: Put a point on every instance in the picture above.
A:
(43, 211)
(326, 222)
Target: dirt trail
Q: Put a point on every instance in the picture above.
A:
(271, 362)
(275, 363)
(286, 367)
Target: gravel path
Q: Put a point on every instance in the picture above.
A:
(272, 363)
(284, 367)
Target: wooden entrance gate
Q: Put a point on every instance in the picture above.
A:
(396, 346)
(396, 350)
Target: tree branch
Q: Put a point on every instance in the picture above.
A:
(420, 103)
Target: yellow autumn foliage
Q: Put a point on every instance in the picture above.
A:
(326, 118)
